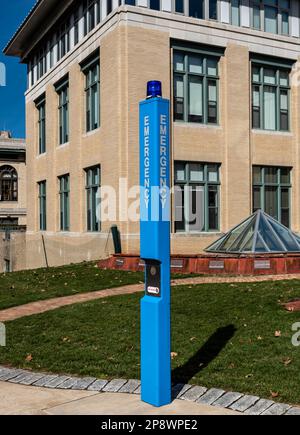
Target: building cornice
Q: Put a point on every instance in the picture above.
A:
(33, 28)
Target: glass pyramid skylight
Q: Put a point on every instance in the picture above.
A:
(259, 233)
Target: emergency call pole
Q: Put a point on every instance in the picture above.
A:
(155, 247)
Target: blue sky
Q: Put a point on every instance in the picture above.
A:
(12, 102)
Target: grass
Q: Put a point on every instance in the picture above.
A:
(223, 334)
(19, 288)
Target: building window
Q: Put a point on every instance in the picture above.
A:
(109, 6)
(8, 223)
(270, 98)
(64, 40)
(41, 108)
(154, 4)
(76, 27)
(41, 65)
(93, 198)
(91, 15)
(130, 2)
(271, 192)
(92, 91)
(235, 12)
(7, 268)
(179, 6)
(63, 108)
(42, 205)
(271, 15)
(51, 53)
(195, 88)
(64, 194)
(196, 8)
(213, 10)
(196, 197)
(98, 15)
(8, 184)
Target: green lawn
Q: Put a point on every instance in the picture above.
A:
(224, 335)
(19, 288)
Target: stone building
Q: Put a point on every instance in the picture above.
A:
(230, 69)
(12, 203)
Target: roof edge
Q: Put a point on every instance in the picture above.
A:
(21, 26)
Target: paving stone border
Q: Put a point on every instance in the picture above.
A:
(243, 403)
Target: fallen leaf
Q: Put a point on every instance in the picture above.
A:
(287, 361)
(193, 338)
(249, 375)
(174, 355)
(274, 394)
(231, 366)
(259, 338)
(29, 358)
(277, 333)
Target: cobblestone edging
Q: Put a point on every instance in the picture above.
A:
(243, 403)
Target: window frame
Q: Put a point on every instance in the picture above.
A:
(64, 195)
(92, 190)
(239, 14)
(40, 105)
(278, 185)
(12, 181)
(62, 91)
(90, 86)
(42, 186)
(261, 84)
(262, 4)
(206, 184)
(205, 78)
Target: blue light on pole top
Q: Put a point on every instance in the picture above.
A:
(154, 89)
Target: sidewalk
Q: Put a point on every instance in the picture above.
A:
(24, 400)
(54, 303)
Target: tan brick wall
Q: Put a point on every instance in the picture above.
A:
(13, 250)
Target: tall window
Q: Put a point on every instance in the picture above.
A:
(271, 192)
(42, 205)
(196, 197)
(235, 12)
(64, 40)
(130, 2)
(213, 11)
(64, 194)
(179, 6)
(271, 15)
(109, 6)
(63, 108)
(270, 98)
(92, 91)
(195, 88)
(8, 184)
(93, 198)
(51, 51)
(41, 108)
(154, 4)
(76, 27)
(196, 8)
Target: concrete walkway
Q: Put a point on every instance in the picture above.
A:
(54, 303)
(24, 400)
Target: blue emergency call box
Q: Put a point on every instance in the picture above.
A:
(155, 246)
